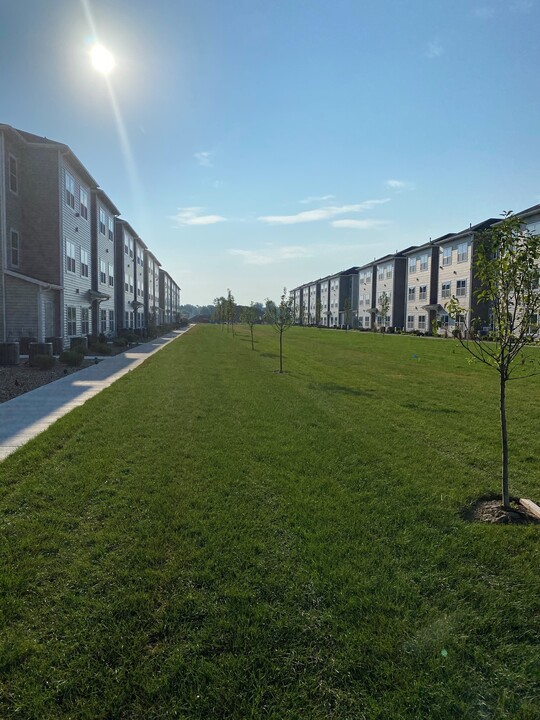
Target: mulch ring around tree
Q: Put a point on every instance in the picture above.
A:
(489, 509)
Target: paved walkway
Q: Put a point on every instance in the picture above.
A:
(24, 417)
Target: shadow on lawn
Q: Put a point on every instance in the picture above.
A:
(342, 389)
(426, 408)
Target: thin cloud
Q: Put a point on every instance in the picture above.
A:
(193, 216)
(281, 254)
(320, 198)
(367, 224)
(484, 12)
(324, 213)
(204, 158)
(399, 185)
(435, 49)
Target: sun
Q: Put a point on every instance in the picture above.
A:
(102, 59)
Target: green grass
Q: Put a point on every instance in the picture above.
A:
(210, 539)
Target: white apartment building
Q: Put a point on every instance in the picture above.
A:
(366, 300)
(421, 307)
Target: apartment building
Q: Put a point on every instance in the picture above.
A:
(104, 214)
(47, 225)
(366, 309)
(165, 293)
(421, 306)
(324, 299)
(343, 298)
(127, 304)
(152, 291)
(457, 277)
(313, 303)
(69, 267)
(389, 275)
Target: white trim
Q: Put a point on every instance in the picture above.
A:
(26, 278)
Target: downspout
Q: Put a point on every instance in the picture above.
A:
(3, 235)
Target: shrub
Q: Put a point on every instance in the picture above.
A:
(101, 349)
(71, 358)
(120, 342)
(43, 362)
(78, 349)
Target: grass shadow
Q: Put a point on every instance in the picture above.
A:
(269, 355)
(434, 410)
(333, 388)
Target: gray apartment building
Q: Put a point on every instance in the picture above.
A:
(104, 276)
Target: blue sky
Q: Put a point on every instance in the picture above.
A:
(258, 144)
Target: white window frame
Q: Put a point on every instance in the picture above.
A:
(424, 260)
(446, 292)
(71, 322)
(421, 322)
(83, 203)
(70, 189)
(461, 288)
(71, 261)
(13, 175)
(111, 274)
(412, 265)
(102, 221)
(102, 272)
(447, 256)
(410, 322)
(103, 321)
(110, 225)
(463, 254)
(411, 294)
(422, 292)
(85, 265)
(85, 321)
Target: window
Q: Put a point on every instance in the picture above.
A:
(71, 318)
(126, 319)
(13, 175)
(85, 321)
(14, 250)
(131, 319)
(111, 320)
(111, 275)
(422, 292)
(103, 321)
(410, 322)
(389, 272)
(445, 290)
(445, 319)
(130, 243)
(412, 294)
(360, 322)
(111, 228)
(70, 191)
(102, 219)
(126, 247)
(463, 252)
(131, 283)
(423, 262)
(361, 300)
(412, 265)
(83, 197)
(447, 256)
(84, 263)
(421, 322)
(70, 256)
(461, 288)
(380, 274)
(126, 282)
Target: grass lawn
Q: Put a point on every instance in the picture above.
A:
(209, 539)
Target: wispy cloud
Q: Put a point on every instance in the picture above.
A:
(323, 213)
(194, 216)
(204, 158)
(367, 224)
(320, 198)
(280, 254)
(399, 185)
(522, 6)
(484, 12)
(434, 49)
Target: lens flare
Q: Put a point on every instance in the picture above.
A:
(102, 59)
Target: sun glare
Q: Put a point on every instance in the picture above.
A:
(102, 59)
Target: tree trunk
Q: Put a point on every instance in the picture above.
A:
(504, 438)
(281, 351)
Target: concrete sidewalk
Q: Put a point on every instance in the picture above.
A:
(24, 417)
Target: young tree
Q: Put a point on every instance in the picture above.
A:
(507, 268)
(250, 315)
(281, 317)
(230, 310)
(384, 308)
